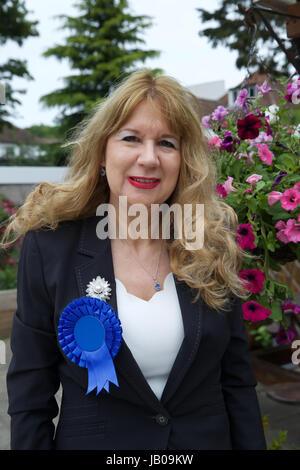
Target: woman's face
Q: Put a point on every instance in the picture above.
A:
(144, 147)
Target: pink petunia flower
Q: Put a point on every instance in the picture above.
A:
(297, 185)
(214, 142)
(273, 197)
(255, 279)
(281, 235)
(205, 121)
(290, 199)
(228, 185)
(253, 311)
(245, 236)
(241, 100)
(261, 138)
(292, 231)
(10, 261)
(253, 179)
(265, 154)
(264, 88)
(219, 113)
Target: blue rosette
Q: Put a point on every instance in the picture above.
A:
(90, 335)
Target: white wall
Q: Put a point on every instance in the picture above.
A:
(31, 174)
(209, 90)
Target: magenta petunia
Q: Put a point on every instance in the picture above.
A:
(253, 311)
(288, 305)
(285, 336)
(255, 279)
(248, 128)
(245, 237)
(290, 199)
(221, 190)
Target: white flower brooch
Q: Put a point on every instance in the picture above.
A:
(98, 288)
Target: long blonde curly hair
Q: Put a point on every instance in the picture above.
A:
(212, 270)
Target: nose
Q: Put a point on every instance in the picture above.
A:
(149, 154)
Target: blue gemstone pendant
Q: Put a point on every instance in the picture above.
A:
(157, 286)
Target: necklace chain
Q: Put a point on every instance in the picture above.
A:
(156, 284)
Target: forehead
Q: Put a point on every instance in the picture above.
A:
(147, 116)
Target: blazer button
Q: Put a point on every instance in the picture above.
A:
(162, 420)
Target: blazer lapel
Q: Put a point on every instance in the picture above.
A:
(101, 264)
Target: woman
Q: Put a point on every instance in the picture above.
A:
(183, 376)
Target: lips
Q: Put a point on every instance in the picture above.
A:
(142, 182)
(144, 179)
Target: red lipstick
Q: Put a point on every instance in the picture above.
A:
(143, 183)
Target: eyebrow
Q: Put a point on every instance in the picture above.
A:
(172, 136)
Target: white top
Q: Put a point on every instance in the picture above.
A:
(153, 330)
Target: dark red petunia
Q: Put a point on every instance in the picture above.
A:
(248, 128)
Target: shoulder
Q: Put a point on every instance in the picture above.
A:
(55, 242)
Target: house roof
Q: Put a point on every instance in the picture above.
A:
(258, 79)
(14, 135)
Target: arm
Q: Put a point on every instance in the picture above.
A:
(238, 385)
(32, 378)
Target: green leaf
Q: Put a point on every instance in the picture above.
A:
(276, 314)
(285, 161)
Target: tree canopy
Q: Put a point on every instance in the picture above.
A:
(229, 29)
(102, 48)
(14, 26)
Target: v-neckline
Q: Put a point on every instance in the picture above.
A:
(139, 298)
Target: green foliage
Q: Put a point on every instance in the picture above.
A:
(14, 26)
(227, 27)
(44, 131)
(101, 49)
(276, 444)
(261, 336)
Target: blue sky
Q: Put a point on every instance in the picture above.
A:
(184, 54)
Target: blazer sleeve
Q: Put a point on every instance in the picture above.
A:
(238, 385)
(32, 378)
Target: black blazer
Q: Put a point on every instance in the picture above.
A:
(209, 401)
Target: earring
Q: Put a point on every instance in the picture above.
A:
(102, 171)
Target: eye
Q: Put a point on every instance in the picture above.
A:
(130, 138)
(169, 144)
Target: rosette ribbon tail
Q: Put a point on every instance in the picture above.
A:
(101, 369)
